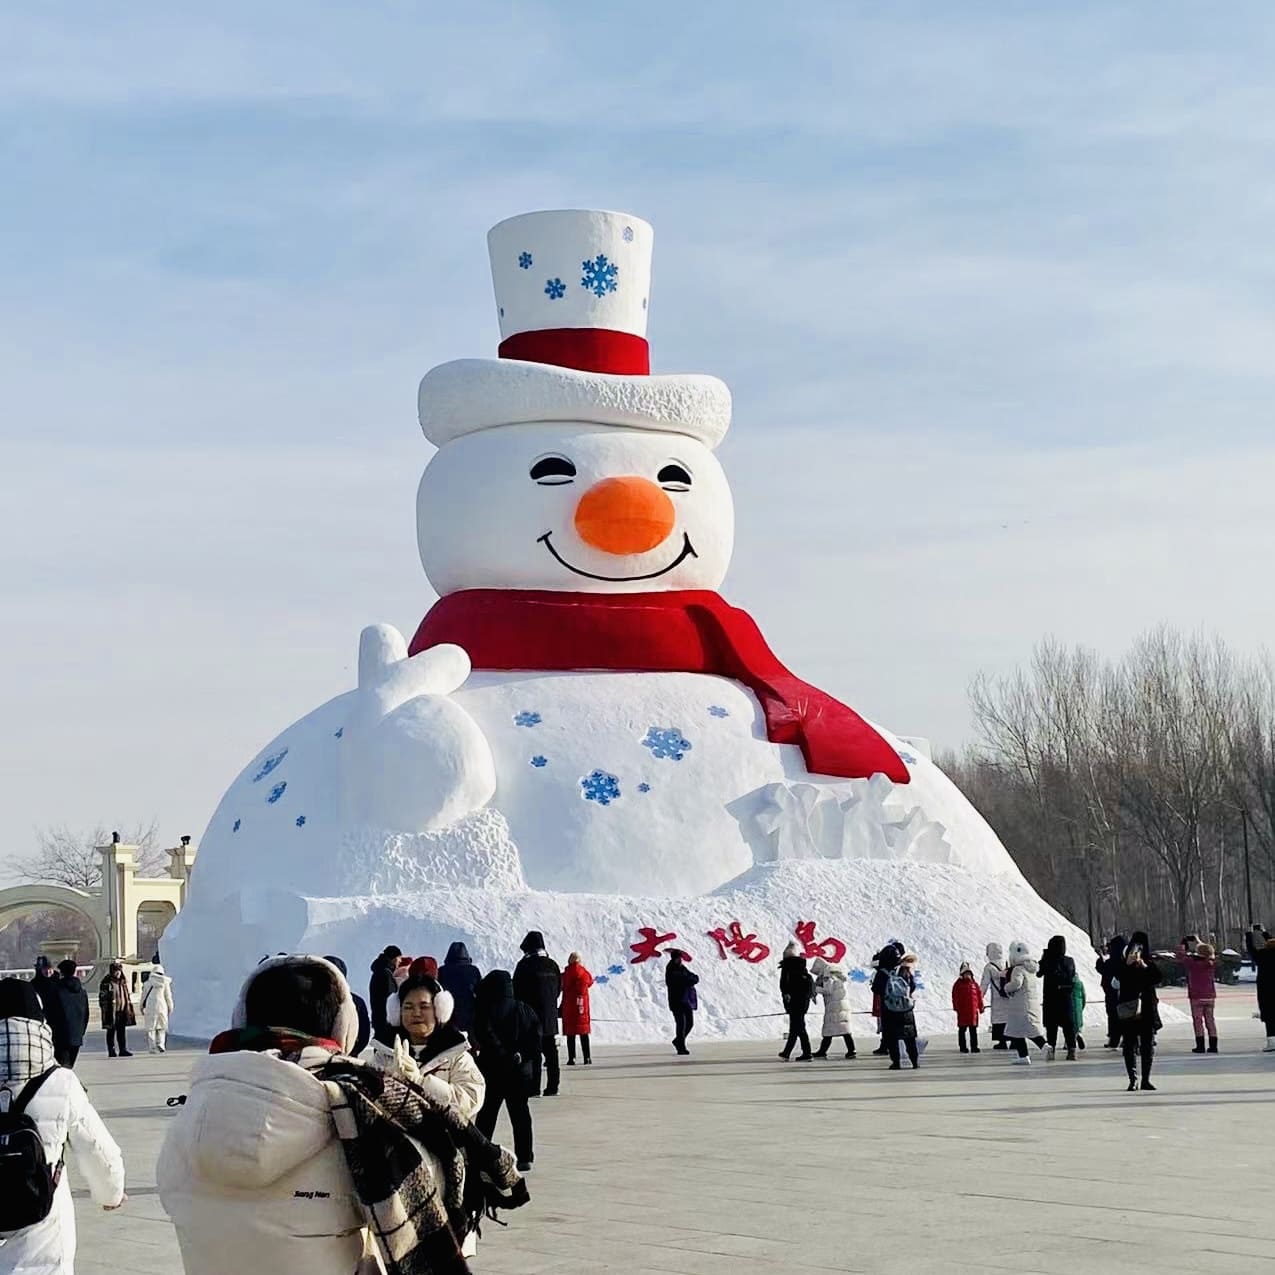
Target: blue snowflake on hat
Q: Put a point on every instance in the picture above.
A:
(600, 275)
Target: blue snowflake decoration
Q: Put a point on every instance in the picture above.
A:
(340, 730)
(907, 758)
(527, 718)
(524, 260)
(600, 275)
(718, 711)
(858, 976)
(628, 234)
(270, 764)
(301, 821)
(539, 762)
(235, 827)
(555, 289)
(644, 787)
(600, 787)
(667, 741)
(276, 792)
(601, 978)
(615, 969)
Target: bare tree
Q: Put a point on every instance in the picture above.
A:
(68, 857)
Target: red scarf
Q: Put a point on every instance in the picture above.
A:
(691, 631)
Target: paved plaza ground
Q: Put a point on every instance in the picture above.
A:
(733, 1163)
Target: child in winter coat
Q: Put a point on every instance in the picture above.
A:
(1199, 962)
(967, 1001)
(830, 984)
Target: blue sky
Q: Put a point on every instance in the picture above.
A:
(992, 285)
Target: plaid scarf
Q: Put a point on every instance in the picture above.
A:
(26, 1050)
(419, 1223)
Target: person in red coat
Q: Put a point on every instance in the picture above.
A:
(576, 981)
(967, 1000)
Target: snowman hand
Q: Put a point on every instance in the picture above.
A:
(414, 759)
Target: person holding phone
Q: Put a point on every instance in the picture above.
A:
(1138, 1008)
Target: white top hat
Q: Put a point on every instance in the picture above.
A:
(572, 291)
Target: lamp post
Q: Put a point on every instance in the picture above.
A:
(1248, 874)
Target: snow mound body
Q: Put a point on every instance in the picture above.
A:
(943, 913)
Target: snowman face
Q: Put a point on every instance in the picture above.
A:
(574, 506)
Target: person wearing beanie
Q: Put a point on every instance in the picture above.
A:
(1022, 993)
(683, 1000)
(538, 983)
(506, 1034)
(75, 1012)
(895, 988)
(1200, 964)
(967, 1001)
(45, 983)
(291, 1156)
(115, 1002)
(54, 1100)
(380, 988)
(1058, 972)
(429, 1051)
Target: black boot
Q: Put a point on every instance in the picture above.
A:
(1199, 1045)
(1213, 1044)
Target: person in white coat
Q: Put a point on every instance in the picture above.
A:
(993, 976)
(64, 1118)
(1022, 998)
(252, 1172)
(157, 1005)
(831, 988)
(430, 1052)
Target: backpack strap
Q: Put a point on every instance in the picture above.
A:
(29, 1091)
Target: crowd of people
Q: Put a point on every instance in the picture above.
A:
(327, 1133)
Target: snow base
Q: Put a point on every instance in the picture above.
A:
(943, 913)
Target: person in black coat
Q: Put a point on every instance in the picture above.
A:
(682, 998)
(381, 986)
(796, 987)
(898, 1026)
(506, 1036)
(1261, 950)
(1107, 965)
(460, 976)
(1138, 1007)
(1058, 971)
(538, 983)
(75, 1012)
(360, 1006)
(46, 984)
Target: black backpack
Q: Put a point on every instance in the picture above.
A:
(27, 1184)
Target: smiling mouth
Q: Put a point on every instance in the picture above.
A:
(688, 551)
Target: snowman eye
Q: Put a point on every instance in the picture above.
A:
(553, 471)
(674, 478)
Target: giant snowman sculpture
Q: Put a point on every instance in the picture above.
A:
(583, 737)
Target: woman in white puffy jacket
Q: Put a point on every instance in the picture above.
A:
(830, 986)
(157, 1005)
(64, 1118)
(430, 1052)
(994, 973)
(1022, 1000)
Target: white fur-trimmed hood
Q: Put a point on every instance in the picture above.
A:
(346, 1030)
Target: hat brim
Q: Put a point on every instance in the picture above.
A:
(468, 395)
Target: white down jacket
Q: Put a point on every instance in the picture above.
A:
(65, 1118)
(830, 986)
(450, 1076)
(253, 1176)
(157, 1001)
(993, 972)
(1022, 996)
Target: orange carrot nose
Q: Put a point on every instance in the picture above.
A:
(625, 515)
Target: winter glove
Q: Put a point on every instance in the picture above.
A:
(404, 1064)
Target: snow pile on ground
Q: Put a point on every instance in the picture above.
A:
(943, 913)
